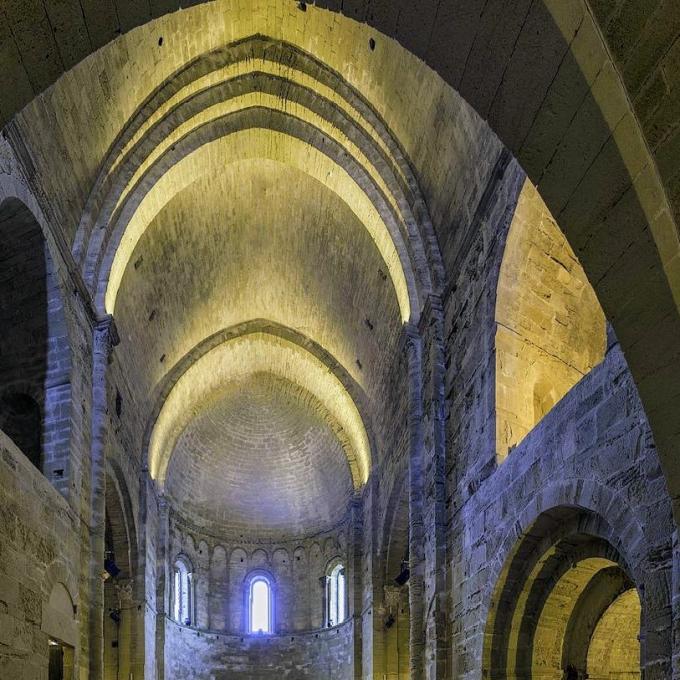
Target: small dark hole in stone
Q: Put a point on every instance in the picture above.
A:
(59, 473)
(138, 262)
(162, 358)
(359, 364)
(371, 44)
(160, 41)
(152, 316)
(119, 403)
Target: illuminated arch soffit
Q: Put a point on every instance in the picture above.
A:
(237, 359)
(258, 98)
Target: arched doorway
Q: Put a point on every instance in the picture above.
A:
(614, 649)
(565, 607)
(121, 645)
(58, 622)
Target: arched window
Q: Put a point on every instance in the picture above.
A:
(182, 595)
(260, 603)
(336, 594)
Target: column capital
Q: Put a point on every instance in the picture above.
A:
(432, 307)
(105, 334)
(163, 504)
(410, 338)
(125, 589)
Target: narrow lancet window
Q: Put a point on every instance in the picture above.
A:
(336, 596)
(182, 595)
(260, 605)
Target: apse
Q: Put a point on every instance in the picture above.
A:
(261, 458)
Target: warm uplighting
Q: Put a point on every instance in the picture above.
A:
(244, 356)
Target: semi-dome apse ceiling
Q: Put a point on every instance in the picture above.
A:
(262, 454)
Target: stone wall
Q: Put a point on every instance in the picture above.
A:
(469, 307)
(322, 655)
(592, 454)
(44, 553)
(216, 644)
(23, 313)
(383, 524)
(35, 363)
(614, 652)
(550, 327)
(593, 451)
(39, 548)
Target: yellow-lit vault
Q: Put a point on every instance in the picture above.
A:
(272, 172)
(263, 174)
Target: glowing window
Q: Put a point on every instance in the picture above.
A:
(336, 596)
(182, 596)
(260, 605)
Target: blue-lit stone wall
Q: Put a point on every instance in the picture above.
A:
(322, 655)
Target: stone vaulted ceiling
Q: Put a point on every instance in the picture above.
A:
(269, 171)
(280, 466)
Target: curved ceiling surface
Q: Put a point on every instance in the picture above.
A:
(259, 85)
(261, 456)
(270, 164)
(231, 363)
(266, 145)
(380, 106)
(260, 239)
